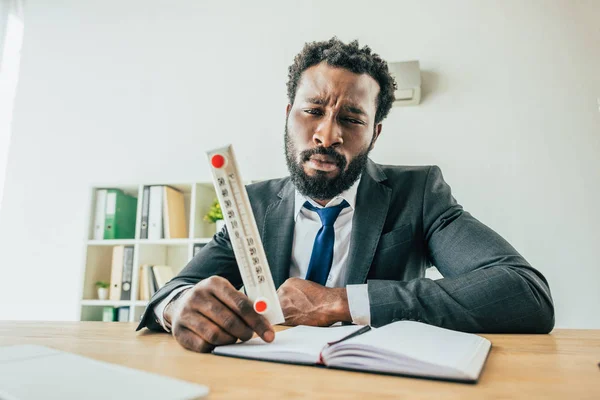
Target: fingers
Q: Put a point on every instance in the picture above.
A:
(214, 313)
(224, 317)
(189, 340)
(201, 334)
(244, 308)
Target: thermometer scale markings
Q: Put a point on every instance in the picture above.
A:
(250, 251)
(238, 240)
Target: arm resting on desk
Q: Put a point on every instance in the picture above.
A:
(488, 287)
(491, 300)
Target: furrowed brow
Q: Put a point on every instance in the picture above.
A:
(354, 109)
(316, 100)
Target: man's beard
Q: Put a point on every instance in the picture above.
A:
(319, 186)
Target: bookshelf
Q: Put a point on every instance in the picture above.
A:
(198, 197)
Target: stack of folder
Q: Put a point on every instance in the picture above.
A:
(121, 273)
(121, 278)
(115, 215)
(152, 278)
(163, 213)
(115, 314)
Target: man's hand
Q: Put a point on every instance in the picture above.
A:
(214, 313)
(308, 303)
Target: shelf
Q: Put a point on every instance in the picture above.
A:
(112, 242)
(176, 253)
(164, 241)
(112, 303)
(130, 242)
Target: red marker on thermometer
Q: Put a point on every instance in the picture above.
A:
(217, 161)
(260, 305)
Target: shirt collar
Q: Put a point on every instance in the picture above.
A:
(349, 195)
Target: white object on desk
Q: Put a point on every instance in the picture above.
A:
(29, 372)
(401, 348)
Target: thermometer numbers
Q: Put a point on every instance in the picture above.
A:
(230, 192)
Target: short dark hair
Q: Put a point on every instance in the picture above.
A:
(348, 56)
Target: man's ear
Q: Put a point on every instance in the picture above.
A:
(287, 110)
(376, 133)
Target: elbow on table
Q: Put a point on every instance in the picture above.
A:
(539, 307)
(545, 321)
(541, 321)
(533, 315)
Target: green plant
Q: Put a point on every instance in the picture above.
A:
(102, 285)
(214, 213)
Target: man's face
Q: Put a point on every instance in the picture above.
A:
(330, 130)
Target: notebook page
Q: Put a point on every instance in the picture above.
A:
(423, 342)
(301, 344)
(30, 372)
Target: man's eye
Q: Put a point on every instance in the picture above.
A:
(353, 121)
(313, 111)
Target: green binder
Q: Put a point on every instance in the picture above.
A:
(109, 314)
(120, 213)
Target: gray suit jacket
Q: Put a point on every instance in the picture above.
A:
(405, 220)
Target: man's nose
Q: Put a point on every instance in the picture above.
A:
(328, 133)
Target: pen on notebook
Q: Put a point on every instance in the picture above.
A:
(362, 330)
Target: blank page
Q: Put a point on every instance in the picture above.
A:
(423, 342)
(301, 344)
(30, 372)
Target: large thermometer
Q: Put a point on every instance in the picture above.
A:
(243, 233)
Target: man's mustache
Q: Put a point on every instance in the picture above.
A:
(338, 159)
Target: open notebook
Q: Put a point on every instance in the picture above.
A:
(30, 372)
(400, 348)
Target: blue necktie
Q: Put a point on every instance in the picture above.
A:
(322, 253)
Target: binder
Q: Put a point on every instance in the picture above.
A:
(162, 274)
(127, 273)
(174, 214)
(143, 285)
(155, 211)
(123, 314)
(100, 214)
(153, 284)
(145, 207)
(148, 285)
(108, 314)
(116, 273)
(120, 214)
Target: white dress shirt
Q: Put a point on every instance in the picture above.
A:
(307, 224)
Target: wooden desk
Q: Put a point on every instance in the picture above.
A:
(562, 365)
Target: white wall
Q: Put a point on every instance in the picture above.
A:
(11, 39)
(137, 90)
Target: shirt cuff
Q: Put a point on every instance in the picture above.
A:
(159, 309)
(358, 302)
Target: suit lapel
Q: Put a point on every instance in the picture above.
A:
(372, 203)
(278, 234)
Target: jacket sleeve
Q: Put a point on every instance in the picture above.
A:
(216, 258)
(488, 287)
